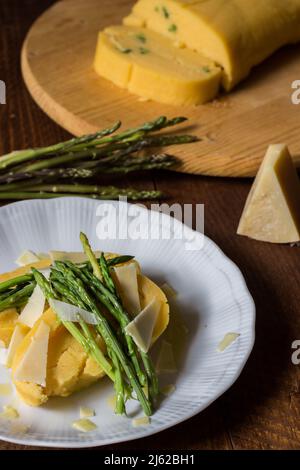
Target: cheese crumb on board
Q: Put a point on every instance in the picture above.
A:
(9, 412)
(127, 284)
(34, 308)
(142, 326)
(5, 390)
(30, 369)
(137, 422)
(86, 412)
(155, 69)
(166, 361)
(272, 210)
(228, 339)
(84, 425)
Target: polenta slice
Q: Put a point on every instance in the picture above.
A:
(149, 65)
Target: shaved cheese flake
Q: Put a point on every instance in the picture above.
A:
(86, 412)
(2, 345)
(16, 339)
(128, 287)
(34, 308)
(33, 365)
(74, 257)
(27, 257)
(3, 356)
(5, 390)
(43, 256)
(168, 290)
(84, 425)
(19, 428)
(112, 401)
(45, 272)
(71, 313)
(228, 339)
(137, 422)
(168, 390)
(166, 361)
(9, 412)
(141, 328)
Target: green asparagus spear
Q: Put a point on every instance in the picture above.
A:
(108, 335)
(15, 158)
(102, 275)
(50, 192)
(15, 282)
(124, 321)
(18, 297)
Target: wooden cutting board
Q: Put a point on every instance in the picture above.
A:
(236, 129)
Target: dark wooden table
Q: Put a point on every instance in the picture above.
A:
(261, 411)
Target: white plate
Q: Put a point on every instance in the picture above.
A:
(213, 299)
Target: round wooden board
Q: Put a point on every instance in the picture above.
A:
(57, 61)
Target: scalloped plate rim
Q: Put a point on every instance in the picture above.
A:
(218, 252)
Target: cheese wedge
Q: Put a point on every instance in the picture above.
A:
(150, 66)
(236, 34)
(272, 210)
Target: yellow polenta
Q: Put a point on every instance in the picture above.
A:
(8, 320)
(149, 65)
(236, 34)
(69, 368)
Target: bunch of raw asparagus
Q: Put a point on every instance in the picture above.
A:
(43, 172)
(90, 286)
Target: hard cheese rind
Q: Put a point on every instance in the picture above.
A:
(149, 65)
(272, 210)
(236, 34)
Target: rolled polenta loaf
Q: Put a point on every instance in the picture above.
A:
(236, 34)
(149, 65)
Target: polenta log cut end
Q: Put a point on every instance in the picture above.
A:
(151, 66)
(236, 34)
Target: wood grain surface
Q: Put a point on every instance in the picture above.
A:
(261, 411)
(235, 129)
